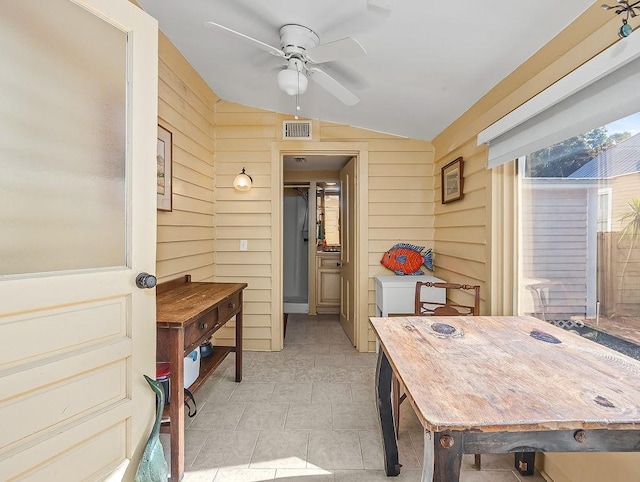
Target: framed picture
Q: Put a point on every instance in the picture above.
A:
(164, 157)
(452, 181)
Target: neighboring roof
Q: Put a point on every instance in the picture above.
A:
(618, 160)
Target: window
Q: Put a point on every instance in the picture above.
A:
(579, 253)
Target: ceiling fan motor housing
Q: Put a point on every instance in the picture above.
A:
(295, 40)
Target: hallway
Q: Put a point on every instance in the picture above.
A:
(306, 414)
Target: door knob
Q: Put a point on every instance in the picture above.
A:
(145, 280)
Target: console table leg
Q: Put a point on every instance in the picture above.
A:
(176, 404)
(383, 396)
(239, 342)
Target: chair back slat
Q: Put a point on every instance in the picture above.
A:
(448, 308)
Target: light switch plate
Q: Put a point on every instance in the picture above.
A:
(243, 245)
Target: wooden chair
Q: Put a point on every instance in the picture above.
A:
(449, 307)
(430, 308)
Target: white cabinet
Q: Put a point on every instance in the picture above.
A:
(396, 294)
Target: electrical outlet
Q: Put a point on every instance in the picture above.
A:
(243, 245)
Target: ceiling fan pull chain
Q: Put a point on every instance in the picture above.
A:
(297, 93)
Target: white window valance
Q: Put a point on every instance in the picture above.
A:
(602, 90)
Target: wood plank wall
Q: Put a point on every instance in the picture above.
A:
(461, 226)
(243, 140)
(185, 107)
(401, 197)
(463, 246)
(400, 204)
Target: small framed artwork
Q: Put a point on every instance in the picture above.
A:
(164, 157)
(452, 181)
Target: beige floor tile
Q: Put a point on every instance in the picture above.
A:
(352, 374)
(417, 439)
(334, 360)
(376, 476)
(407, 455)
(304, 475)
(342, 348)
(202, 475)
(263, 416)
(371, 445)
(363, 392)
(299, 360)
(487, 476)
(361, 360)
(252, 392)
(309, 416)
(215, 389)
(331, 392)
(194, 440)
(313, 374)
(310, 349)
(224, 415)
(292, 393)
(281, 450)
(267, 374)
(354, 416)
(337, 449)
(245, 475)
(266, 358)
(226, 449)
(408, 418)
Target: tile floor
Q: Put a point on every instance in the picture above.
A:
(306, 414)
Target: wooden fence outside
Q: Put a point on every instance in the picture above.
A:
(618, 289)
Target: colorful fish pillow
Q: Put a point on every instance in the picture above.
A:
(407, 259)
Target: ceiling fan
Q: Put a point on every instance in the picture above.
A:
(301, 49)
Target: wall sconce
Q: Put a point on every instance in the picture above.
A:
(242, 182)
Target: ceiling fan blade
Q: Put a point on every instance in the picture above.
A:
(261, 45)
(345, 48)
(332, 86)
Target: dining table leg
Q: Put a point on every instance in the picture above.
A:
(442, 456)
(385, 412)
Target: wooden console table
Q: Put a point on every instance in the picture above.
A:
(187, 315)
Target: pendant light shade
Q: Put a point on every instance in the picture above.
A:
(292, 79)
(292, 82)
(242, 182)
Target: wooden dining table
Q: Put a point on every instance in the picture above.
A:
(503, 384)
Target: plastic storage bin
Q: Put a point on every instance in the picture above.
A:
(191, 367)
(162, 376)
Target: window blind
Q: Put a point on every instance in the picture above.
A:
(600, 91)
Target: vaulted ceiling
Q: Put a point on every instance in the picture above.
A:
(426, 62)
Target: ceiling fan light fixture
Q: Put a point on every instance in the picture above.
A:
(292, 81)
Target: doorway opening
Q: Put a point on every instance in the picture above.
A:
(311, 226)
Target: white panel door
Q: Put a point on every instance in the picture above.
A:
(78, 177)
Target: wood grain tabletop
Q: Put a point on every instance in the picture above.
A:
(185, 302)
(509, 373)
